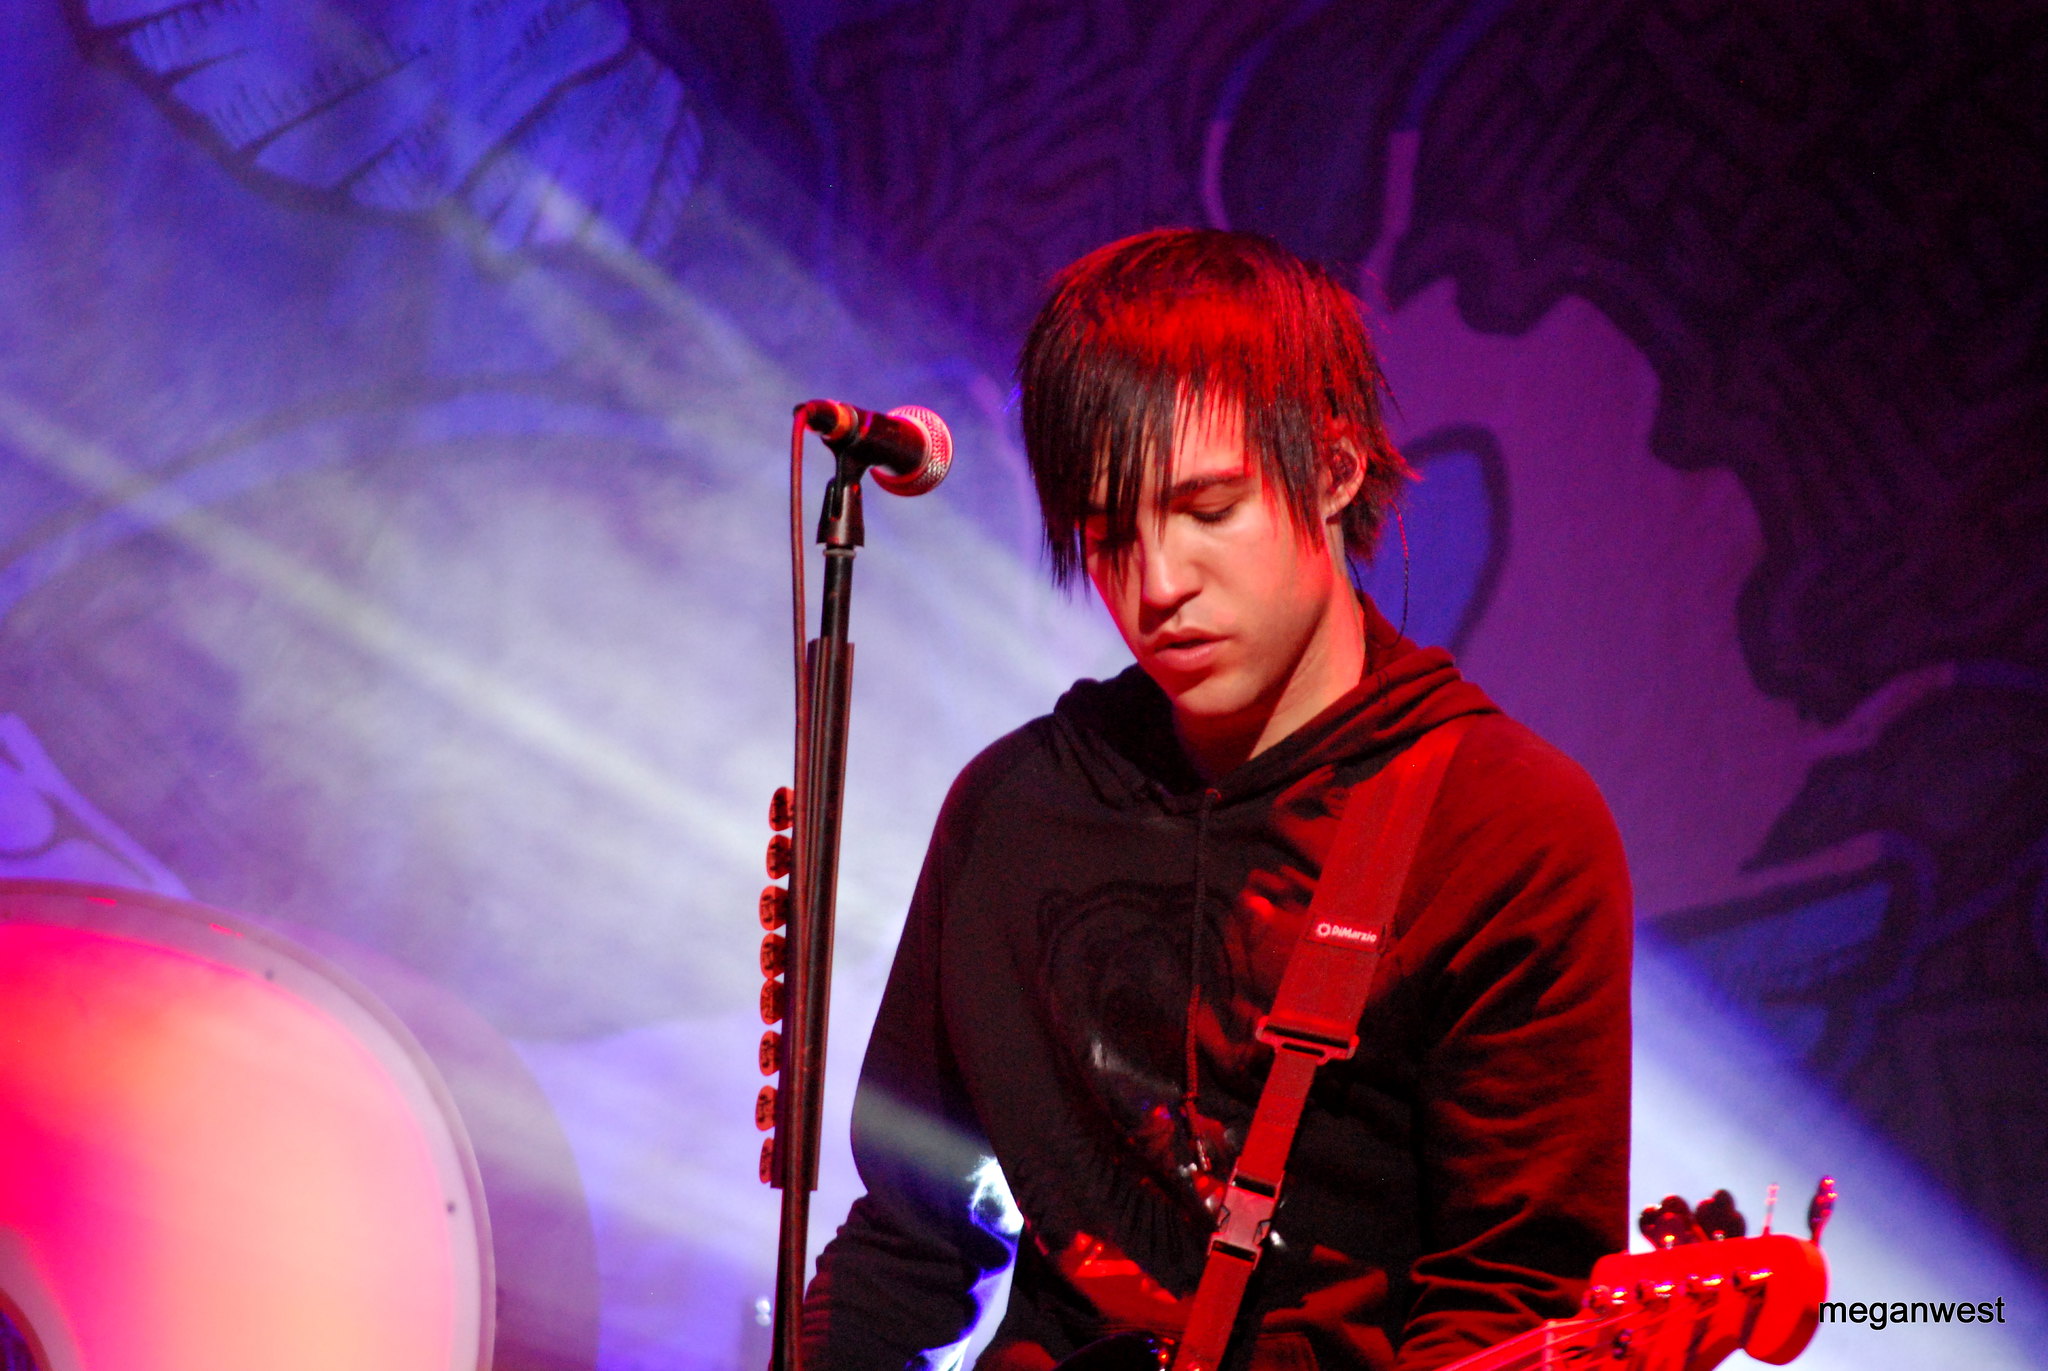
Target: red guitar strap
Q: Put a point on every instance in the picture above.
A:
(1315, 1016)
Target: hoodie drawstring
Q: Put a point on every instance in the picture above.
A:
(1192, 1076)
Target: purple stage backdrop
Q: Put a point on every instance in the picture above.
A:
(393, 419)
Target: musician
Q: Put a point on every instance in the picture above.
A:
(1113, 890)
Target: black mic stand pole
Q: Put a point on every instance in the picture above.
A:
(821, 785)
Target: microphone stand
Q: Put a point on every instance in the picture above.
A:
(814, 880)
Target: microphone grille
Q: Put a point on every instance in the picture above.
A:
(938, 453)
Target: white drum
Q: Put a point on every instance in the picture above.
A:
(217, 1153)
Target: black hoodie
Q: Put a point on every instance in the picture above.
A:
(1451, 1185)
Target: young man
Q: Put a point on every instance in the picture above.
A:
(1113, 891)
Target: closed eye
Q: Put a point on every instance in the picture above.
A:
(1100, 543)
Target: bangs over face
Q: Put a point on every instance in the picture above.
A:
(1177, 325)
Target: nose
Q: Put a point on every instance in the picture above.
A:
(1166, 578)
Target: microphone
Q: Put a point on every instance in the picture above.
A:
(909, 447)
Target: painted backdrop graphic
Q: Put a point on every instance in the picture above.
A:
(392, 399)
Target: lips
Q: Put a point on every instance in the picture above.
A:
(1188, 652)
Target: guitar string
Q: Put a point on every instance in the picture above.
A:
(1584, 1341)
(1514, 1356)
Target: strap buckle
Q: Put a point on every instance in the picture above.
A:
(1244, 1220)
(1293, 1038)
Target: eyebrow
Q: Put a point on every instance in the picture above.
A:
(1195, 485)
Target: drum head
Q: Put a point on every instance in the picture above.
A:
(219, 1154)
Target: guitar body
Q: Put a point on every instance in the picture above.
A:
(1122, 1352)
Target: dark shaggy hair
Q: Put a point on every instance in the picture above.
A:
(1150, 329)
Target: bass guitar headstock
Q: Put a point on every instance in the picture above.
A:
(1703, 1293)
(1686, 1308)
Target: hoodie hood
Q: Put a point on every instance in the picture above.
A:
(1123, 735)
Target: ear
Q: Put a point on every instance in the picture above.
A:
(1343, 474)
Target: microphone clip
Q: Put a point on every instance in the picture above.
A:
(909, 448)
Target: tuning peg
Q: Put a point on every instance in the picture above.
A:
(778, 856)
(768, 1161)
(1822, 1208)
(773, 952)
(774, 906)
(1718, 1217)
(782, 809)
(764, 1108)
(772, 996)
(771, 1052)
(1669, 1223)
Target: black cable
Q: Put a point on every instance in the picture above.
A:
(1402, 525)
(796, 598)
